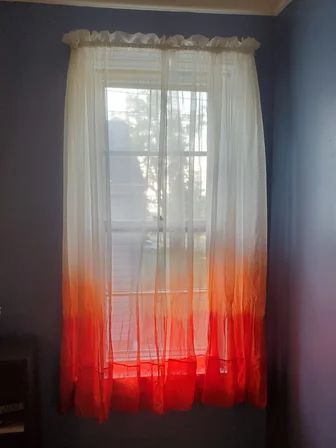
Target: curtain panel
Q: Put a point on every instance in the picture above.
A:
(165, 229)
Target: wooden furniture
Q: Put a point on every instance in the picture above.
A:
(18, 393)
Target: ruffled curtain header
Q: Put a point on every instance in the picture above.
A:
(86, 38)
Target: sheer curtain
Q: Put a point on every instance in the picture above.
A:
(164, 252)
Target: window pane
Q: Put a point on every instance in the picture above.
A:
(133, 119)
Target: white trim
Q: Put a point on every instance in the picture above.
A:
(147, 7)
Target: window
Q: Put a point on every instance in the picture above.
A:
(133, 141)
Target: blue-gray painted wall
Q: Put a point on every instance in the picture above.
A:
(302, 281)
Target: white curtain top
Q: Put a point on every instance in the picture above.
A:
(86, 38)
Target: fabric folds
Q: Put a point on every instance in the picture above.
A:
(198, 42)
(164, 246)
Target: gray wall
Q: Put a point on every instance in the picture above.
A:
(33, 65)
(302, 305)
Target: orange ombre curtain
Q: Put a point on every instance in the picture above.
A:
(164, 247)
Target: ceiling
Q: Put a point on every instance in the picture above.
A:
(255, 7)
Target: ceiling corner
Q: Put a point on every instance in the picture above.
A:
(280, 6)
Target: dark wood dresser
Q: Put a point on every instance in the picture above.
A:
(19, 404)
